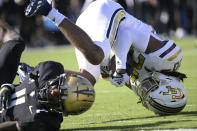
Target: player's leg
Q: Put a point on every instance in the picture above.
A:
(10, 54)
(93, 53)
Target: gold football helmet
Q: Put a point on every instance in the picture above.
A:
(80, 95)
(76, 94)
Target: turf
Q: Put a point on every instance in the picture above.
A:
(117, 108)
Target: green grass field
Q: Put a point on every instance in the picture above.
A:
(117, 108)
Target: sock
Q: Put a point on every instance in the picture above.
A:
(55, 16)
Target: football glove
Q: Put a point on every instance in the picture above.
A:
(105, 71)
(37, 7)
(5, 93)
(24, 71)
(119, 79)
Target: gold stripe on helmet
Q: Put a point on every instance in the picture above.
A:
(175, 55)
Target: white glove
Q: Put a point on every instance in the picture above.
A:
(119, 79)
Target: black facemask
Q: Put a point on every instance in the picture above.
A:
(43, 94)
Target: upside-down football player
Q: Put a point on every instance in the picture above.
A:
(151, 54)
(39, 102)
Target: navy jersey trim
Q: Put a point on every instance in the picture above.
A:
(111, 21)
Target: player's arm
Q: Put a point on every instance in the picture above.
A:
(9, 126)
(77, 37)
(81, 41)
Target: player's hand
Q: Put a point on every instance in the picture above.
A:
(119, 79)
(105, 71)
(5, 93)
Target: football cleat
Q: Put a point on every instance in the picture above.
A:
(23, 71)
(38, 7)
(105, 71)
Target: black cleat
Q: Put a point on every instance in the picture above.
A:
(38, 7)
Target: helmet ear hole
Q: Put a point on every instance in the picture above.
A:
(79, 95)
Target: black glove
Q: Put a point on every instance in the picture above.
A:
(105, 71)
(5, 92)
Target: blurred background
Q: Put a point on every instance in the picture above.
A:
(171, 18)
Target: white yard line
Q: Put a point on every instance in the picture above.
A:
(134, 121)
(191, 105)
